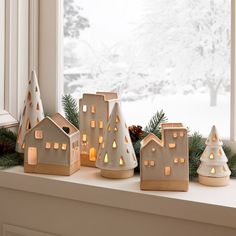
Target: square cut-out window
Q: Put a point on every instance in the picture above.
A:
(152, 163)
(176, 160)
(93, 109)
(48, 145)
(63, 146)
(145, 163)
(93, 123)
(171, 145)
(181, 133)
(175, 134)
(182, 160)
(100, 124)
(38, 134)
(56, 146)
(84, 108)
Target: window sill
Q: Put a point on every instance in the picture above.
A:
(200, 204)
(6, 120)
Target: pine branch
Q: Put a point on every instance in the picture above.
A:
(7, 141)
(71, 109)
(154, 125)
(232, 165)
(9, 160)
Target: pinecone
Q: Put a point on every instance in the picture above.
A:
(136, 133)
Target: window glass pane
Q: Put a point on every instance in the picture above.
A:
(157, 54)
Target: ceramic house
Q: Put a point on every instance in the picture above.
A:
(52, 147)
(94, 113)
(164, 164)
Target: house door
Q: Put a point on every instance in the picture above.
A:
(92, 154)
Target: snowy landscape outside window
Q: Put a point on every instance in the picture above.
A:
(157, 54)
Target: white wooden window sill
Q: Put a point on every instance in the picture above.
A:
(200, 204)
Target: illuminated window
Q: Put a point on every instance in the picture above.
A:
(93, 109)
(63, 146)
(115, 129)
(109, 128)
(181, 134)
(213, 170)
(38, 134)
(145, 163)
(214, 138)
(32, 156)
(93, 123)
(114, 144)
(176, 160)
(152, 163)
(117, 119)
(175, 135)
(126, 140)
(211, 156)
(103, 145)
(182, 160)
(105, 158)
(100, 124)
(121, 161)
(153, 149)
(84, 138)
(84, 108)
(48, 145)
(28, 125)
(92, 154)
(56, 146)
(100, 139)
(167, 171)
(171, 145)
(23, 146)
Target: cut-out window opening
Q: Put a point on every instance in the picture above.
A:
(84, 108)
(24, 111)
(152, 163)
(213, 170)
(93, 109)
(171, 145)
(220, 152)
(28, 125)
(176, 160)
(114, 145)
(105, 160)
(182, 160)
(29, 96)
(84, 138)
(117, 119)
(66, 129)
(145, 163)
(175, 135)
(109, 128)
(48, 145)
(37, 106)
(93, 123)
(32, 156)
(153, 149)
(38, 134)
(23, 146)
(56, 146)
(37, 121)
(167, 171)
(100, 124)
(103, 145)
(122, 161)
(126, 140)
(181, 133)
(127, 150)
(92, 154)
(214, 138)
(211, 156)
(63, 146)
(100, 139)
(36, 89)
(115, 129)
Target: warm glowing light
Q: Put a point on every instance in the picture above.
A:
(84, 108)
(214, 138)
(145, 163)
(175, 135)
(109, 128)
(93, 109)
(167, 171)
(63, 146)
(171, 145)
(181, 134)
(211, 156)
(105, 158)
(23, 146)
(93, 123)
(92, 154)
(220, 152)
(153, 149)
(182, 160)
(117, 119)
(114, 144)
(38, 134)
(100, 139)
(126, 140)
(152, 163)
(176, 160)
(56, 146)
(121, 161)
(84, 138)
(213, 170)
(48, 145)
(103, 145)
(115, 129)
(100, 124)
(32, 156)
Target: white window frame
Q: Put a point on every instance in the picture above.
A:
(14, 55)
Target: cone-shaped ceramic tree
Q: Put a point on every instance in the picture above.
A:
(213, 170)
(116, 156)
(32, 111)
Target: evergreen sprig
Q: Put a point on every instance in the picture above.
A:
(154, 125)
(12, 159)
(71, 109)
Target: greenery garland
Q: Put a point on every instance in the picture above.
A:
(9, 157)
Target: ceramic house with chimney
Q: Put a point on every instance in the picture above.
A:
(52, 147)
(94, 113)
(164, 164)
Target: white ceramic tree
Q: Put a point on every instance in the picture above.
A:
(213, 170)
(116, 156)
(32, 111)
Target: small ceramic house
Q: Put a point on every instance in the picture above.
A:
(94, 113)
(52, 147)
(164, 164)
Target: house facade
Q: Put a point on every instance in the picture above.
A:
(164, 164)
(52, 147)
(94, 113)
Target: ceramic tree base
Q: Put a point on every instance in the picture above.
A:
(214, 182)
(117, 174)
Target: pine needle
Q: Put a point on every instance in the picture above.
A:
(71, 109)
(9, 160)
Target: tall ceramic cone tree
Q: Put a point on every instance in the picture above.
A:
(116, 156)
(32, 111)
(213, 170)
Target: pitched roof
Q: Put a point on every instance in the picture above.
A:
(151, 137)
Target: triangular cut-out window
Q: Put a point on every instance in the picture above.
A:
(126, 140)
(28, 125)
(105, 158)
(29, 96)
(122, 161)
(36, 89)
(117, 119)
(214, 138)
(37, 106)
(114, 144)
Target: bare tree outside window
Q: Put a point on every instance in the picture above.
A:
(157, 54)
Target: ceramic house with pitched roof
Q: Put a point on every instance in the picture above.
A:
(52, 147)
(164, 164)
